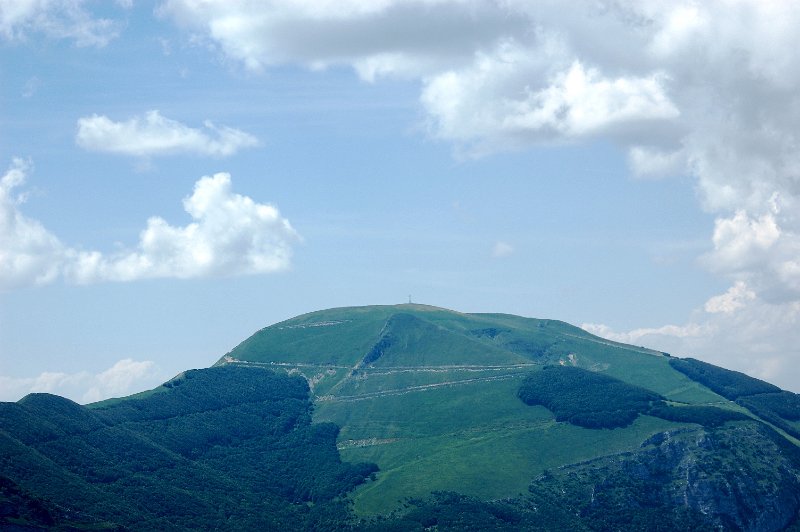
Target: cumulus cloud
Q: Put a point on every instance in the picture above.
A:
(763, 251)
(377, 38)
(481, 105)
(648, 162)
(154, 134)
(60, 19)
(734, 299)
(494, 74)
(737, 330)
(704, 89)
(29, 253)
(229, 235)
(123, 378)
(637, 336)
(741, 240)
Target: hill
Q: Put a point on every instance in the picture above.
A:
(411, 417)
(230, 448)
(433, 396)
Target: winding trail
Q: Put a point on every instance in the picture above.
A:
(392, 370)
(411, 389)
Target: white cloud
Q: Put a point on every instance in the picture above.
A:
(29, 253)
(573, 103)
(491, 71)
(736, 330)
(229, 235)
(120, 379)
(154, 134)
(705, 89)
(708, 89)
(759, 251)
(502, 249)
(638, 336)
(649, 162)
(741, 240)
(377, 37)
(60, 19)
(734, 299)
(123, 378)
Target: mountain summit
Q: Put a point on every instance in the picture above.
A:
(440, 418)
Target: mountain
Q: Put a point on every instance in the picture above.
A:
(441, 419)
(221, 448)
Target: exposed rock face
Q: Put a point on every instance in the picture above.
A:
(737, 486)
(741, 476)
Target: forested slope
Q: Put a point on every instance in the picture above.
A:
(229, 448)
(476, 421)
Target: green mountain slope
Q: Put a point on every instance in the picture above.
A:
(230, 448)
(741, 476)
(422, 418)
(433, 396)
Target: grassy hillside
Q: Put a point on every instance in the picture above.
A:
(326, 346)
(431, 395)
(423, 418)
(741, 476)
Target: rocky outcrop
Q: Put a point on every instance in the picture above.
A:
(742, 476)
(752, 486)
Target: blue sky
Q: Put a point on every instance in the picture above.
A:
(178, 174)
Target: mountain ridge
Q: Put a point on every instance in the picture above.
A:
(421, 417)
(357, 391)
